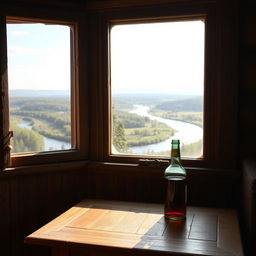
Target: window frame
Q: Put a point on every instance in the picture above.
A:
(79, 94)
(193, 17)
(217, 153)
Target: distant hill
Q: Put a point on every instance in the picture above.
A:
(192, 104)
(122, 101)
(39, 93)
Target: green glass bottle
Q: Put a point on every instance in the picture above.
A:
(175, 203)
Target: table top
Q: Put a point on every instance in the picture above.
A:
(141, 226)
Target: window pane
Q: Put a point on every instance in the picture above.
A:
(39, 86)
(157, 84)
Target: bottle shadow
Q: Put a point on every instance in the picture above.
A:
(166, 234)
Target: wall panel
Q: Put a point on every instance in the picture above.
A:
(247, 83)
(29, 201)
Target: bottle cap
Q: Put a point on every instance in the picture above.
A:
(175, 141)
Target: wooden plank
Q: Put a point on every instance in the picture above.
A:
(64, 219)
(181, 246)
(102, 219)
(179, 229)
(84, 236)
(89, 218)
(152, 225)
(204, 227)
(110, 220)
(130, 223)
(121, 217)
(228, 233)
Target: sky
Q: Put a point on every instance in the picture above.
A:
(165, 57)
(158, 58)
(38, 56)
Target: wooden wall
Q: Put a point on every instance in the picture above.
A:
(247, 93)
(247, 83)
(30, 198)
(216, 188)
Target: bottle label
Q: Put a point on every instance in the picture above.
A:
(175, 153)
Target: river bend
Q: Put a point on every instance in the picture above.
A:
(187, 133)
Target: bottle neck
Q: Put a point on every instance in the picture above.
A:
(175, 156)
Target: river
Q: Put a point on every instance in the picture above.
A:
(49, 143)
(187, 133)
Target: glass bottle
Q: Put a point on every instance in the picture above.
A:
(175, 204)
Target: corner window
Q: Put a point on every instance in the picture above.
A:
(157, 87)
(40, 85)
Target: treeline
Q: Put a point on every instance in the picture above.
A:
(152, 133)
(126, 102)
(132, 130)
(48, 116)
(192, 149)
(131, 120)
(194, 104)
(40, 103)
(186, 110)
(59, 132)
(189, 117)
(25, 140)
(46, 107)
(188, 150)
(56, 119)
(176, 107)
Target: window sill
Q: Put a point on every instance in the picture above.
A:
(42, 169)
(193, 172)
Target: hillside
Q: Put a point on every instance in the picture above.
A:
(194, 104)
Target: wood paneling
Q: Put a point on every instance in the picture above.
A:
(219, 188)
(247, 81)
(30, 200)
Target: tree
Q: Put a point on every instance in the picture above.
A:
(119, 140)
(25, 140)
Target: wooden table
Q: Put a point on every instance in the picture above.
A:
(104, 228)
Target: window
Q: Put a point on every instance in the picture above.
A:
(46, 88)
(112, 75)
(39, 74)
(157, 87)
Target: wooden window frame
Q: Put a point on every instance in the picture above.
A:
(79, 90)
(220, 75)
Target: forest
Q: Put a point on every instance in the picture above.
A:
(185, 108)
(49, 116)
